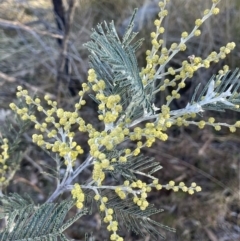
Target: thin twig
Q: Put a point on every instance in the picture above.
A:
(64, 184)
(16, 25)
(7, 78)
(12, 79)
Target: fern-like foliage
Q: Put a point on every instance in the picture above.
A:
(136, 220)
(129, 215)
(134, 166)
(14, 133)
(220, 93)
(115, 62)
(27, 222)
(14, 202)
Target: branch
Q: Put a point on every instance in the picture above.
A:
(7, 78)
(16, 25)
(65, 184)
(63, 69)
(12, 79)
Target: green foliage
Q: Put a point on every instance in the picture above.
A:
(137, 220)
(133, 166)
(220, 86)
(115, 62)
(27, 222)
(14, 136)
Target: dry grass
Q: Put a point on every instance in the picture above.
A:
(210, 158)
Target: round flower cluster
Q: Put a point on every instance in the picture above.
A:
(109, 106)
(56, 125)
(190, 190)
(78, 194)
(3, 158)
(155, 63)
(112, 225)
(143, 189)
(153, 59)
(102, 163)
(217, 126)
(188, 69)
(150, 132)
(109, 141)
(171, 185)
(121, 192)
(91, 75)
(215, 57)
(179, 121)
(98, 174)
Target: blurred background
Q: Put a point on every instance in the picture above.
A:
(41, 48)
